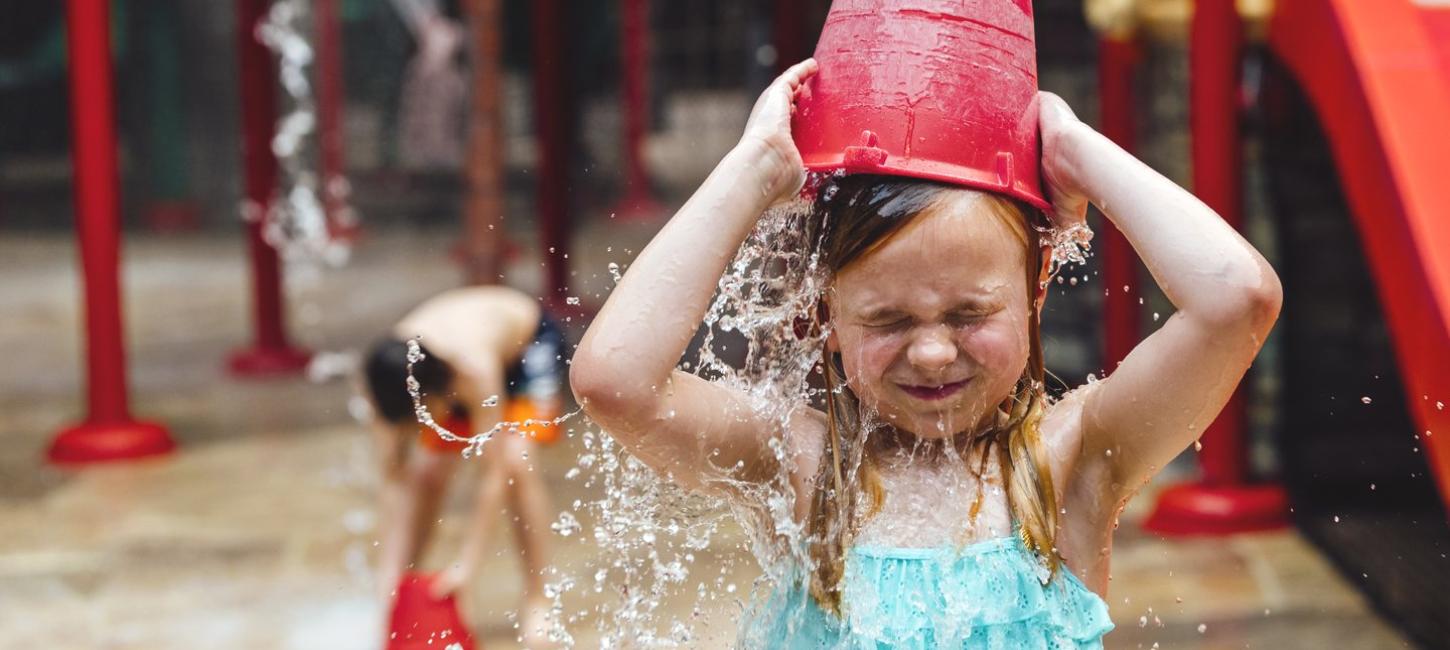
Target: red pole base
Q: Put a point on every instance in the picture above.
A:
(1199, 509)
(638, 206)
(95, 442)
(173, 216)
(268, 362)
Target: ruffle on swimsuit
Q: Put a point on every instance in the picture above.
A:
(986, 595)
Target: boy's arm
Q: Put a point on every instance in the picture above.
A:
(1174, 383)
(623, 372)
(481, 387)
(487, 509)
(410, 495)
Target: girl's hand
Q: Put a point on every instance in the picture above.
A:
(769, 129)
(1059, 128)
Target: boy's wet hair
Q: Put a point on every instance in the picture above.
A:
(387, 377)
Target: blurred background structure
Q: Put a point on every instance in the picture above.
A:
(535, 143)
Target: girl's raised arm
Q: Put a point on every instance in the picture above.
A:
(1173, 384)
(623, 373)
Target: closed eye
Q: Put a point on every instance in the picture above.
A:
(889, 324)
(959, 319)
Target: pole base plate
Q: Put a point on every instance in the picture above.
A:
(97, 442)
(261, 362)
(1199, 509)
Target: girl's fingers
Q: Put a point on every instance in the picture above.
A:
(798, 73)
(1055, 107)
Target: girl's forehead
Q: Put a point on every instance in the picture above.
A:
(956, 246)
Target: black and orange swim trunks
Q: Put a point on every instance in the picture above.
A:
(533, 393)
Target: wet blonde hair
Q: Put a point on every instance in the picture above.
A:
(853, 215)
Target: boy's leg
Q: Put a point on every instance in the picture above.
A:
(529, 499)
(411, 503)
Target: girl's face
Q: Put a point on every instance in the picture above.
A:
(932, 324)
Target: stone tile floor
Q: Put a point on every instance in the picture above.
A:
(258, 532)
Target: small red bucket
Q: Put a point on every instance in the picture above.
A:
(936, 89)
(421, 622)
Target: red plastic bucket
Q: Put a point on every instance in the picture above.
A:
(421, 622)
(937, 89)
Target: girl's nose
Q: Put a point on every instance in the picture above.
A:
(932, 349)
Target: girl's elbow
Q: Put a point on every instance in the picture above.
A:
(1266, 300)
(1253, 308)
(598, 390)
(1243, 300)
(589, 383)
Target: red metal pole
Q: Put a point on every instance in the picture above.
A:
(1222, 502)
(108, 432)
(789, 23)
(551, 110)
(483, 243)
(271, 353)
(638, 202)
(1217, 164)
(331, 100)
(1116, 59)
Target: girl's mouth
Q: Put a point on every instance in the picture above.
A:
(934, 393)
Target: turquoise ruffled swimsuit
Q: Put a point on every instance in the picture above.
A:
(985, 595)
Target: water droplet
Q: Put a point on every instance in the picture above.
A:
(572, 300)
(1366, 399)
(566, 525)
(1202, 627)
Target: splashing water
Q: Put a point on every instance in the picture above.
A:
(647, 533)
(475, 441)
(295, 223)
(1071, 245)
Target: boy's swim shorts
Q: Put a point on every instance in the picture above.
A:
(533, 387)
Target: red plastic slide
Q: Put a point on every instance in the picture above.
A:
(1378, 75)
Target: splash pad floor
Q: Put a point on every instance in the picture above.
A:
(258, 532)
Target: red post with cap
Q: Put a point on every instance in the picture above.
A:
(271, 353)
(1222, 501)
(551, 108)
(1117, 56)
(331, 104)
(638, 201)
(108, 432)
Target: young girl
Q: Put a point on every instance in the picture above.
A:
(946, 501)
